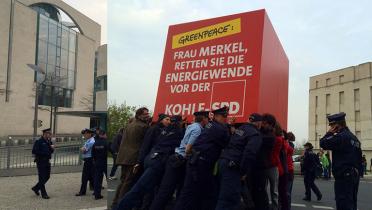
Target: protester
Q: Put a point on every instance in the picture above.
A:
(42, 150)
(325, 164)
(114, 148)
(128, 152)
(311, 162)
(290, 150)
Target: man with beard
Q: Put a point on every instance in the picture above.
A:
(198, 191)
(175, 170)
(237, 160)
(154, 164)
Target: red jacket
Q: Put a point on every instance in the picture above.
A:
(289, 151)
(275, 160)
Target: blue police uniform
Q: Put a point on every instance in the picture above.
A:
(99, 155)
(175, 169)
(347, 159)
(198, 191)
(88, 166)
(42, 150)
(154, 165)
(236, 161)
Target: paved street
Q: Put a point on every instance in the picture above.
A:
(15, 193)
(325, 186)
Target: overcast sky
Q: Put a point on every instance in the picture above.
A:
(318, 36)
(95, 10)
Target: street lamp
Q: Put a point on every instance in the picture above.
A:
(36, 69)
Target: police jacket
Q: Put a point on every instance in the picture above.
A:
(168, 140)
(243, 147)
(264, 154)
(151, 138)
(212, 140)
(346, 150)
(42, 149)
(311, 161)
(99, 151)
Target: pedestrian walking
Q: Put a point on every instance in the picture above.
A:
(99, 155)
(236, 162)
(176, 166)
(42, 150)
(199, 190)
(290, 137)
(88, 167)
(311, 163)
(325, 164)
(114, 148)
(282, 168)
(128, 152)
(363, 168)
(347, 158)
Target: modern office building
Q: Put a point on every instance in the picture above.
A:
(346, 90)
(65, 44)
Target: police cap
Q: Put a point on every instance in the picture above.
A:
(222, 111)
(255, 117)
(202, 113)
(176, 118)
(47, 130)
(339, 117)
(308, 144)
(162, 116)
(87, 130)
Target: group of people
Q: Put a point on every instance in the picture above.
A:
(209, 164)
(94, 155)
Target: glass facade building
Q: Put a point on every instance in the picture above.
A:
(56, 55)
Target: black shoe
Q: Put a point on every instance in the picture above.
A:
(79, 194)
(45, 196)
(98, 197)
(306, 199)
(35, 191)
(320, 197)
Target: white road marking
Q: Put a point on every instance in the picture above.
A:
(298, 205)
(111, 190)
(96, 208)
(322, 207)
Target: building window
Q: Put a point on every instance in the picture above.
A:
(316, 84)
(328, 100)
(357, 116)
(56, 54)
(328, 81)
(356, 95)
(341, 79)
(358, 134)
(101, 83)
(316, 101)
(316, 119)
(342, 97)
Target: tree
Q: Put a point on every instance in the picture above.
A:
(118, 117)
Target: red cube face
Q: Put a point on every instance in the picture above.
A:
(235, 61)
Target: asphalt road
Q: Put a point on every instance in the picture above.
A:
(325, 186)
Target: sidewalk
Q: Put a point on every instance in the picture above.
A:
(15, 193)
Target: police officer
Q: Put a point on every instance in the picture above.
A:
(237, 160)
(99, 155)
(175, 170)
(43, 149)
(88, 167)
(154, 164)
(311, 162)
(346, 156)
(198, 191)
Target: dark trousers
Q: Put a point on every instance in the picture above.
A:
(172, 180)
(43, 169)
(230, 186)
(259, 193)
(346, 191)
(99, 171)
(283, 192)
(151, 177)
(199, 189)
(87, 175)
(309, 181)
(289, 188)
(115, 166)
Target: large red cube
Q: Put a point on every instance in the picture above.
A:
(235, 60)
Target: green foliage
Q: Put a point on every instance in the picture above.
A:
(118, 117)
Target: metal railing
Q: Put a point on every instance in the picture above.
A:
(20, 157)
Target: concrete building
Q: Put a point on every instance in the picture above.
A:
(346, 90)
(34, 32)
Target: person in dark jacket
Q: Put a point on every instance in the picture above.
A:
(99, 155)
(114, 148)
(347, 158)
(237, 161)
(199, 190)
(154, 164)
(42, 150)
(311, 162)
(257, 177)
